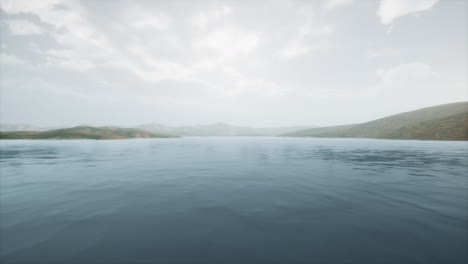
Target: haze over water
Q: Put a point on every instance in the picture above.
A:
(233, 200)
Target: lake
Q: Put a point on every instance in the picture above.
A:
(233, 200)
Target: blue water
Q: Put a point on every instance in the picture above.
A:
(233, 200)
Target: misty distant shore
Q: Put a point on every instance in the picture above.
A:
(442, 122)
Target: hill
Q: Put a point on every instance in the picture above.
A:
(443, 122)
(220, 129)
(84, 132)
(449, 128)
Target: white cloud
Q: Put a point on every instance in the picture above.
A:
(229, 42)
(401, 84)
(224, 51)
(27, 6)
(149, 23)
(10, 59)
(300, 44)
(373, 54)
(389, 10)
(23, 27)
(80, 45)
(405, 73)
(203, 19)
(242, 84)
(144, 20)
(330, 4)
(45, 9)
(178, 58)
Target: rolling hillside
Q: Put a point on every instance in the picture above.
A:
(449, 128)
(84, 132)
(443, 122)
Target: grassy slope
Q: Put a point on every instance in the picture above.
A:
(384, 127)
(84, 132)
(450, 128)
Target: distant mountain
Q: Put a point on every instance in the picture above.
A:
(442, 122)
(220, 129)
(217, 129)
(84, 132)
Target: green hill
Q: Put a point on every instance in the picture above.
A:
(449, 128)
(443, 122)
(84, 132)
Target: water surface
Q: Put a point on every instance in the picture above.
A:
(233, 200)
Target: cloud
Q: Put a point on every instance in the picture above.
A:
(229, 42)
(26, 6)
(390, 10)
(203, 20)
(46, 10)
(222, 56)
(10, 59)
(401, 84)
(23, 27)
(202, 46)
(374, 54)
(304, 42)
(145, 21)
(403, 74)
(330, 4)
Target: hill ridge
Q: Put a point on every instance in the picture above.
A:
(385, 127)
(84, 132)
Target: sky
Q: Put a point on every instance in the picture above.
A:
(253, 63)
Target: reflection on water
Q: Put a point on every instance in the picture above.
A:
(233, 200)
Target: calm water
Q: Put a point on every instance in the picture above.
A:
(234, 200)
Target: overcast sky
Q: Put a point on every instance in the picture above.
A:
(257, 63)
